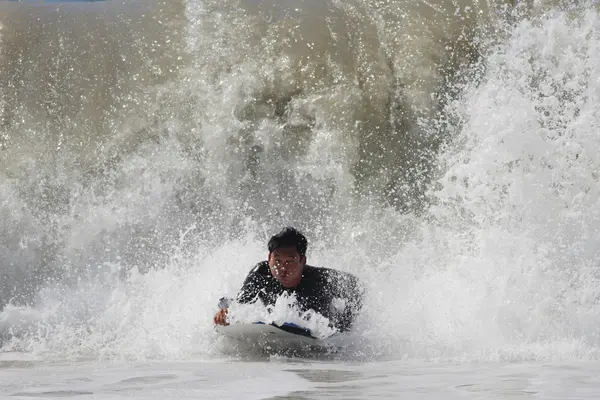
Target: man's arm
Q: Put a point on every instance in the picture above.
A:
(346, 301)
(247, 294)
(253, 284)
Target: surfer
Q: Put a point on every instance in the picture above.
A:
(334, 294)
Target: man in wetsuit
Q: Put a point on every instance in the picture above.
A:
(334, 294)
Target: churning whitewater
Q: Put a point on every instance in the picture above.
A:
(443, 152)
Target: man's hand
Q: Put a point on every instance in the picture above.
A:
(221, 317)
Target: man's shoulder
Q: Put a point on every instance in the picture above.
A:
(325, 271)
(312, 270)
(261, 268)
(330, 275)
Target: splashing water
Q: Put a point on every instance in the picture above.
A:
(445, 155)
(285, 310)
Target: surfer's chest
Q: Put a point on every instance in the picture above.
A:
(308, 296)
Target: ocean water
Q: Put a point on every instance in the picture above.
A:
(444, 152)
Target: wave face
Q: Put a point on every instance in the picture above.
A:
(443, 152)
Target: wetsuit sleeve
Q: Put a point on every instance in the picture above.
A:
(347, 298)
(253, 284)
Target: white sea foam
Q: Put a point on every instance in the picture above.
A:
(285, 310)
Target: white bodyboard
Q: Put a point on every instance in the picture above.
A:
(287, 335)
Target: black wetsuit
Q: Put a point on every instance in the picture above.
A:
(334, 294)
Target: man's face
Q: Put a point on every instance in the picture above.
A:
(287, 266)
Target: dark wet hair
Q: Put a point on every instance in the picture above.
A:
(288, 237)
